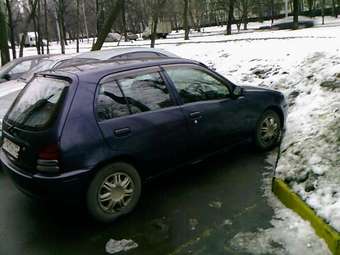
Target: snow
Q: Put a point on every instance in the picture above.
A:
(114, 246)
(305, 66)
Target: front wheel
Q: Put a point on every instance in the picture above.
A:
(113, 192)
(268, 132)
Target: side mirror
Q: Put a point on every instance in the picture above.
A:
(238, 91)
(7, 77)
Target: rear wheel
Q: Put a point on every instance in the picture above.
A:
(113, 192)
(268, 130)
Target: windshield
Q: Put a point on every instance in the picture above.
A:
(37, 104)
(42, 66)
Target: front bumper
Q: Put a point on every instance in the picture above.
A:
(65, 186)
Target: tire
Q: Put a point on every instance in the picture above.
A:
(268, 132)
(113, 192)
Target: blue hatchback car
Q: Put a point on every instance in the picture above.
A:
(99, 131)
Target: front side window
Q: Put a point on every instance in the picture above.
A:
(110, 102)
(145, 92)
(195, 85)
(36, 106)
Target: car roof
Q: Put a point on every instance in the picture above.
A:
(107, 54)
(92, 72)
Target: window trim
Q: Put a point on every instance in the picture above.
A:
(215, 75)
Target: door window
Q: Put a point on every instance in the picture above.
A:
(145, 92)
(195, 85)
(110, 101)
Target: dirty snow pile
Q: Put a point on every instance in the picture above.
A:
(310, 158)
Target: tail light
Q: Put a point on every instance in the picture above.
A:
(48, 159)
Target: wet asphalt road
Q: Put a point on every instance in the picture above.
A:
(173, 216)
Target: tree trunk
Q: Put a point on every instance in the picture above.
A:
(85, 22)
(186, 20)
(78, 25)
(154, 31)
(37, 45)
(3, 38)
(60, 20)
(335, 13)
(11, 28)
(296, 14)
(46, 28)
(230, 16)
(107, 25)
(273, 10)
(323, 11)
(245, 15)
(124, 21)
(27, 23)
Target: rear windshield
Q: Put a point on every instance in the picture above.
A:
(36, 106)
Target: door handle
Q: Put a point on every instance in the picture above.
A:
(122, 131)
(195, 115)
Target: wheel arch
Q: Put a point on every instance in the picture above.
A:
(122, 158)
(278, 111)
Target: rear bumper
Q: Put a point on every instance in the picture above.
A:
(66, 186)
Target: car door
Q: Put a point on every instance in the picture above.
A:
(214, 117)
(139, 118)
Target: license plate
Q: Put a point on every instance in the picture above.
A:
(11, 148)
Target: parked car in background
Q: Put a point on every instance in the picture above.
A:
(17, 67)
(113, 37)
(30, 39)
(288, 23)
(163, 29)
(131, 36)
(99, 131)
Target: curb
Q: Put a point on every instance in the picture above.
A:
(294, 202)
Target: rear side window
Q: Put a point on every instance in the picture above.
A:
(145, 92)
(110, 101)
(37, 104)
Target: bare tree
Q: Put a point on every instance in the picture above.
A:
(11, 28)
(124, 21)
(33, 4)
(107, 25)
(156, 7)
(323, 11)
(3, 38)
(296, 13)
(60, 9)
(85, 21)
(230, 16)
(186, 20)
(78, 24)
(46, 28)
